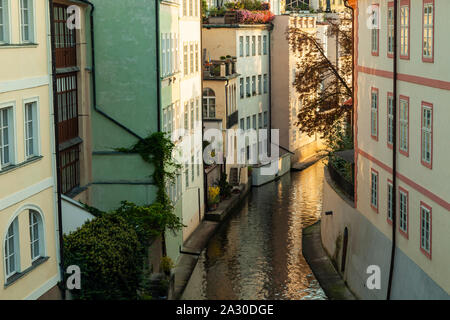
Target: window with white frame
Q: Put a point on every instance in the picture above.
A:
(197, 110)
(266, 84)
(241, 124)
(192, 115)
(186, 174)
(390, 138)
(403, 122)
(425, 229)
(184, 8)
(163, 54)
(374, 38)
(191, 57)
(36, 235)
(265, 119)
(198, 163)
(390, 30)
(191, 11)
(374, 114)
(247, 46)
(192, 169)
(254, 85)
(4, 22)
(241, 46)
(6, 137)
(196, 57)
(31, 130)
(248, 122)
(264, 45)
(26, 21)
(186, 117)
(260, 123)
(209, 103)
(404, 30)
(11, 249)
(259, 84)
(374, 189)
(403, 211)
(247, 86)
(185, 59)
(253, 45)
(259, 45)
(241, 87)
(427, 131)
(390, 204)
(254, 121)
(428, 15)
(168, 114)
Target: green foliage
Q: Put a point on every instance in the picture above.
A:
(166, 264)
(92, 210)
(225, 187)
(107, 251)
(340, 139)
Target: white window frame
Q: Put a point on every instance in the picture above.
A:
(265, 83)
(390, 198)
(241, 46)
(11, 114)
(36, 128)
(374, 40)
(425, 229)
(247, 46)
(390, 133)
(403, 210)
(16, 247)
(241, 88)
(427, 134)
(6, 13)
(404, 30)
(390, 44)
(265, 44)
(404, 125)
(428, 28)
(374, 113)
(207, 101)
(374, 189)
(31, 21)
(40, 236)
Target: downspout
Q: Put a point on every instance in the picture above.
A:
(394, 156)
(269, 127)
(353, 68)
(58, 161)
(94, 89)
(226, 120)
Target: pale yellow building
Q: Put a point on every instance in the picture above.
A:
(28, 206)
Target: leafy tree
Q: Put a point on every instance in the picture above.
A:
(323, 86)
(108, 252)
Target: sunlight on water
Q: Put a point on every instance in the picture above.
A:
(257, 253)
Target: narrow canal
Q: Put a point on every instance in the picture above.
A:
(257, 253)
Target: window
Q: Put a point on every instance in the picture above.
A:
(209, 103)
(390, 120)
(254, 85)
(241, 124)
(70, 169)
(4, 22)
(375, 31)
(404, 126)
(196, 7)
(192, 114)
(247, 85)
(427, 134)
(184, 8)
(390, 204)
(265, 83)
(253, 45)
(36, 235)
(425, 229)
(198, 164)
(374, 190)
(241, 87)
(248, 124)
(191, 47)
(26, 21)
(403, 212)
(259, 45)
(259, 84)
(254, 121)
(12, 254)
(31, 130)
(186, 174)
(390, 25)
(428, 30)
(374, 114)
(67, 104)
(264, 45)
(197, 111)
(185, 59)
(247, 46)
(241, 46)
(404, 29)
(163, 54)
(192, 169)
(6, 137)
(196, 57)
(260, 123)
(191, 3)
(265, 119)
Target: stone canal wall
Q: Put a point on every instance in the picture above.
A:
(367, 246)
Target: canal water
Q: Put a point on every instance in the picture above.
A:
(257, 252)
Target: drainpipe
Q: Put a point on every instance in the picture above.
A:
(58, 161)
(94, 91)
(353, 67)
(269, 127)
(394, 155)
(158, 67)
(205, 177)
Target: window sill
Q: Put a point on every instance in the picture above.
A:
(18, 45)
(19, 165)
(12, 279)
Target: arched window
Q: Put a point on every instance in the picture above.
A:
(36, 235)
(12, 262)
(209, 103)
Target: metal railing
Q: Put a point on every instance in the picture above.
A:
(347, 187)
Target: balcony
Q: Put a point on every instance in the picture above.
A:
(220, 69)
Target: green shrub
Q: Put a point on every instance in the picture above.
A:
(108, 253)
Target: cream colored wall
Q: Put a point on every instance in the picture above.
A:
(219, 42)
(25, 75)
(435, 180)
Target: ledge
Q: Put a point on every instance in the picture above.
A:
(18, 45)
(12, 279)
(20, 165)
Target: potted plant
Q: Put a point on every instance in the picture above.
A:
(213, 197)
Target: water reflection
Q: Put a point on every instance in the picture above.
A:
(257, 253)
